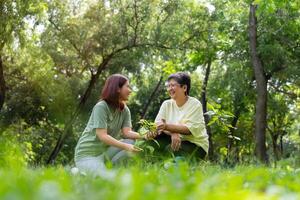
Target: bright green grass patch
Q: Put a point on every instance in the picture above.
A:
(153, 181)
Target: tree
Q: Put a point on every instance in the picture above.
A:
(261, 86)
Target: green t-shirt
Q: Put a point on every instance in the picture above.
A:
(105, 117)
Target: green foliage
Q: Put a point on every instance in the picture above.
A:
(14, 155)
(12, 18)
(219, 116)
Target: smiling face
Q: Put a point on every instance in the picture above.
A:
(176, 90)
(125, 91)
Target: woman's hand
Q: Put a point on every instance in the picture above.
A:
(161, 126)
(151, 134)
(132, 148)
(176, 141)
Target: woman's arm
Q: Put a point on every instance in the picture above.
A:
(172, 128)
(128, 133)
(107, 139)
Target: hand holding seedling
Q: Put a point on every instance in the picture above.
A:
(161, 126)
(150, 135)
(150, 129)
(133, 149)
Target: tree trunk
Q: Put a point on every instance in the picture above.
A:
(2, 84)
(230, 150)
(145, 109)
(281, 145)
(93, 81)
(274, 137)
(261, 87)
(204, 108)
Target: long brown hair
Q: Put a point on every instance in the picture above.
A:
(110, 92)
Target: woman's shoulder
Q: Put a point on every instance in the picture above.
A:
(167, 102)
(126, 109)
(194, 101)
(101, 105)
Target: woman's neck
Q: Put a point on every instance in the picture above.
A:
(181, 101)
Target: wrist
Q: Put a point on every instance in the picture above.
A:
(125, 146)
(166, 127)
(134, 135)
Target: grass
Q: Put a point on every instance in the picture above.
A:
(146, 177)
(153, 181)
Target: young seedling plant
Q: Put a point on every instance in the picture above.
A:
(146, 126)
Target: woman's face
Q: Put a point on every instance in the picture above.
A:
(125, 92)
(175, 89)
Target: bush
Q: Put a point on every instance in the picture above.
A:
(13, 154)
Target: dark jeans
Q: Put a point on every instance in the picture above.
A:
(187, 149)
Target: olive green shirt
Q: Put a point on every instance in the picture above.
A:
(104, 117)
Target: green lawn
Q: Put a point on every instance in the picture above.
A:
(154, 181)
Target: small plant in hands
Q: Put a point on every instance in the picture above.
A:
(147, 128)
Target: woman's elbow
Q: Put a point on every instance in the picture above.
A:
(125, 132)
(102, 136)
(125, 135)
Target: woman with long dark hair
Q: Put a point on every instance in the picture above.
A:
(109, 120)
